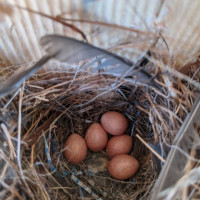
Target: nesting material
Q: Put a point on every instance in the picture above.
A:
(61, 100)
(53, 109)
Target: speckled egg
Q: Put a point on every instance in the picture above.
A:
(123, 166)
(120, 144)
(114, 123)
(96, 137)
(75, 149)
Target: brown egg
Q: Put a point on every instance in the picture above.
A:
(75, 149)
(96, 137)
(114, 123)
(123, 166)
(120, 144)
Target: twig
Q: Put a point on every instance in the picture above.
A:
(107, 25)
(19, 131)
(10, 100)
(152, 150)
(12, 151)
(74, 28)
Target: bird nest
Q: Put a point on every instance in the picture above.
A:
(36, 121)
(52, 105)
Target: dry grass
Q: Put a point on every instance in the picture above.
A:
(53, 106)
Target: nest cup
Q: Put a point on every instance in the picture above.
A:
(53, 109)
(61, 100)
(84, 113)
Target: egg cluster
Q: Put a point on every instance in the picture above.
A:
(121, 166)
